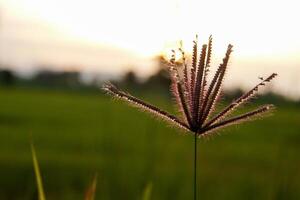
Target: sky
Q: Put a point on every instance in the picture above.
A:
(116, 36)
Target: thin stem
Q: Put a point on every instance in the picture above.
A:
(195, 168)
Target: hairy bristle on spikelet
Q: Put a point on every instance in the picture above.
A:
(199, 81)
(238, 119)
(207, 64)
(185, 76)
(177, 96)
(216, 87)
(194, 66)
(241, 100)
(194, 62)
(209, 91)
(193, 74)
(204, 85)
(209, 50)
(111, 89)
(177, 88)
(184, 104)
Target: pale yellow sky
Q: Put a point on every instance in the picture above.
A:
(119, 34)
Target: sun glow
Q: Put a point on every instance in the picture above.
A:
(146, 27)
(264, 33)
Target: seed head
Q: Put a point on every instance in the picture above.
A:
(195, 98)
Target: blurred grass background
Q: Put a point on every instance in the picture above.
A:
(77, 134)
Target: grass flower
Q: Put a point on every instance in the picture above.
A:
(197, 97)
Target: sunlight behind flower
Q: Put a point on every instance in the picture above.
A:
(263, 33)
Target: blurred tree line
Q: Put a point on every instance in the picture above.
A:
(159, 82)
(7, 77)
(44, 78)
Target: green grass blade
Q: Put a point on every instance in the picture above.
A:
(91, 190)
(37, 173)
(147, 192)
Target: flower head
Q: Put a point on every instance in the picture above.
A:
(196, 97)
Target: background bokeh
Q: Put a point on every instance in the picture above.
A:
(55, 55)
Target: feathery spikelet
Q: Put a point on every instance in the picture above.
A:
(238, 119)
(199, 81)
(178, 90)
(238, 102)
(204, 85)
(185, 75)
(207, 63)
(195, 101)
(193, 69)
(216, 84)
(209, 50)
(111, 89)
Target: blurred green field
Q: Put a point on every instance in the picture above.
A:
(78, 134)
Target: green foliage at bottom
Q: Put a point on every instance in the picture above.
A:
(78, 134)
